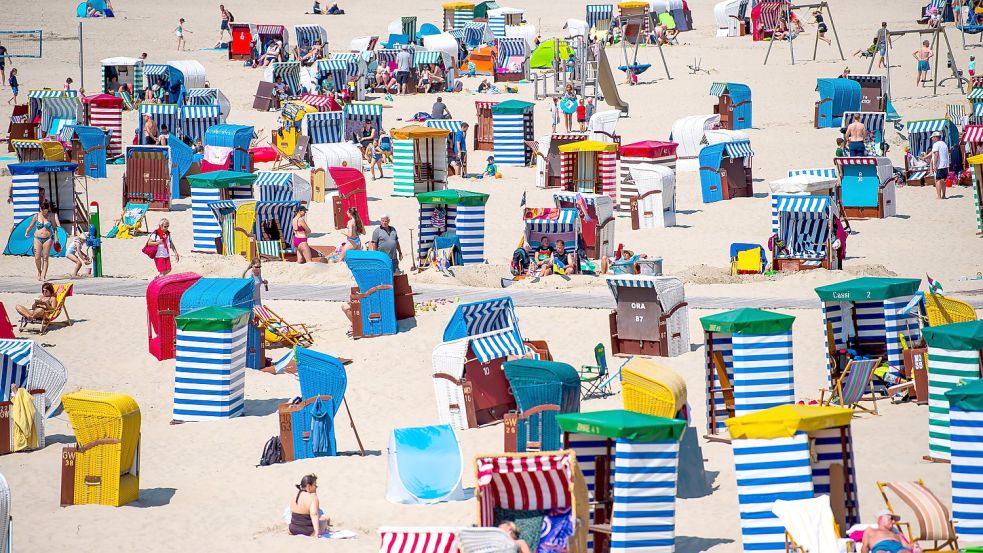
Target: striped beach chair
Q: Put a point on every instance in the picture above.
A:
(853, 384)
(934, 522)
(421, 540)
(966, 425)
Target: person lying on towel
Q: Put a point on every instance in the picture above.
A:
(885, 538)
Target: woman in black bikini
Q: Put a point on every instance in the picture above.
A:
(305, 510)
(45, 225)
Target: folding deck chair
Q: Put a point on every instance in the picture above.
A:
(128, 103)
(297, 159)
(593, 378)
(278, 331)
(133, 217)
(934, 522)
(62, 291)
(810, 526)
(853, 383)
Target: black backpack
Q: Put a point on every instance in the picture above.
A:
(272, 452)
(231, 18)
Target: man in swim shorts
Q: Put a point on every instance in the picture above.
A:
(883, 538)
(923, 55)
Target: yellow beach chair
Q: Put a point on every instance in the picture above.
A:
(652, 389)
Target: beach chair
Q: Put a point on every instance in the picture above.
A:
(652, 389)
(485, 540)
(6, 328)
(297, 159)
(103, 468)
(276, 330)
(133, 217)
(128, 103)
(942, 310)
(593, 378)
(934, 523)
(747, 259)
(810, 526)
(62, 291)
(853, 383)
(373, 299)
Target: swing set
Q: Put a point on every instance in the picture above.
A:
(634, 68)
(936, 32)
(822, 7)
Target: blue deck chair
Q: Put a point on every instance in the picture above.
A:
(425, 465)
(373, 272)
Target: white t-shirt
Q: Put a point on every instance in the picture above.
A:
(942, 150)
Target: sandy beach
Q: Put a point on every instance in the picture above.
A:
(200, 487)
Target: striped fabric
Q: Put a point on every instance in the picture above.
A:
(771, 10)
(598, 12)
(161, 114)
(588, 448)
(627, 188)
(270, 248)
(722, 344)
(856, 382)
(932, 516)
(947, 369)
(403, 178)
(564, 223)
(427, 232)
(24, 189)
(155, 69)
(467, 222)
(426, 57)
(280, 211)
(829, 172)
(204, 228)
(956, 113)
(195, 120)
(360, 114)
(418, 540)
(463, 16)
(738, 149)
(497, 26)
(225, 213)
(325, 127)
(275, 186)
(803, 223)
(305, 35)
(277, 31)
(978, 202)
(828, 450)
(289, 71)
(978, 107)
(474, 34)
(577, 171)
(973, 133)
(66, 109)
(523, 484)
(509, 135)
(511, 47)
(841, 161)
(920, 134)
(446, 124)
(767, 470)
(762, 366)
(896, 325)
(15, 360)
(109, 118)
(493, 329)
(644, 514)
(966, 455)
(209, 374)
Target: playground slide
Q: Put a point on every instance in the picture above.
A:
(609, 87)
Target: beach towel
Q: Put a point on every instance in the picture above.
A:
(321, 426)
(217, 155)
(25, 434)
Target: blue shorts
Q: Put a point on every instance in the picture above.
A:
(225, 25)
(923, 66)
(857, 149)
(14, 89)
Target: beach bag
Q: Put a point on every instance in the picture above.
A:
(231, 17)
(150, 251)
(272, 452)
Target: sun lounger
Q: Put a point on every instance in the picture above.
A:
(279, 331)
(134, 217)
(934, 522)
(850, 388)
(62, 291)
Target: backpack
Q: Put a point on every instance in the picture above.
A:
(272, 452)
(231, 17)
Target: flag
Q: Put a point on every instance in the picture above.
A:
(582, 207)
(934, 286)
(522, 202)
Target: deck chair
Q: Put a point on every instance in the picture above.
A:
(6, 327)
(942, 310)
(853, 383)
(133, 217)
(593, 378)
(934, 523)
(810, 526)
(128, 103)
(298, 159)
(726, 388)
(276, 330)
(62, 291)
(485, 540)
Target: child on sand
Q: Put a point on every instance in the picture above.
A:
(75, 252)
(179, 31)
(491, 170)
(14, 85)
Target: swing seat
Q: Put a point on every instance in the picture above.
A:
(636, 68)
(970, 29)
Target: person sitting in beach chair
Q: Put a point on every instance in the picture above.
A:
(541, 263)
(47, 308)
(273, 51)
(311, 56)
(564, 261)
(885, 538)
(623, 264)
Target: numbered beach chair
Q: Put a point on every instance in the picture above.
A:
(373, 299)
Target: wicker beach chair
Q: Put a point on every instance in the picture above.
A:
(46, 373)
(852, 385)
(104, 465)
(375, 295)
(323, 375)
(942, 310)
(652, 389)
(934, 522)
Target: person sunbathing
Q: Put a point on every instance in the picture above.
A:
(41, 306)
(272, 53)
(623, 264)
(305, 510)
(512, 531)
(884, 538)
(315, 53)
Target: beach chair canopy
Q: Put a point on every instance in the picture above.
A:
(669, 289)
(195, 120)
(650, 388)
(548, 481)
(963, 336)
(806, 183)
(619, 424)
(804, 224)
(222, 179)
(730, 15)
(868, 289)
(492, 327)
(183, 75)
(920, 134)
(785, 421)
(208, 97)
(689, 132)
(836, 96)
(58, 112)
(306, 35)
(649, 149)
(282, 186)
(531, 372)
(443, 42)
(425, 465)
(321, 374)
(599, 12)
(765, 15)
(28, 365)
(554, 223)
(326, 127)
(748, 321)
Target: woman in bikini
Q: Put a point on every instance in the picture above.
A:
(301, 229)
(41, 306)
(45, 225)
(305, 510)
(353, 236)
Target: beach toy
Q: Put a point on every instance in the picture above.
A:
(568, 105)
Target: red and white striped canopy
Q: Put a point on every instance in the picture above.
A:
(418, 540)
(523, 483)
(973, 133)
(855, 160)
(483, 104)
(319, 101)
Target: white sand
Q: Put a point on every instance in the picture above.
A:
(200, 488)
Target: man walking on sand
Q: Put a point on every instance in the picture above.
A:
(923, 55)
(856, 135)
(940, 163)
(883, 41)
(403, 61)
